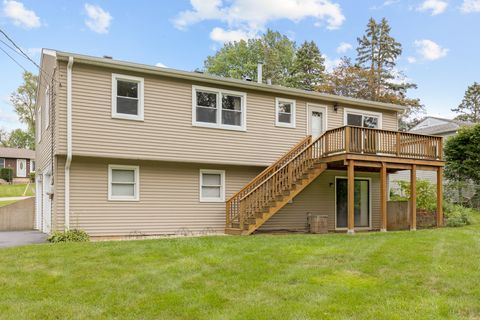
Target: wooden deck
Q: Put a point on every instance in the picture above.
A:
(345, 148)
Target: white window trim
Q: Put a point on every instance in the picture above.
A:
(137, 182)
(293, 118)
(362, 113)
(222, 188)
(219, 124)
(47, 107)
(141, 82)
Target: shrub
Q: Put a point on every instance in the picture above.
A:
(6, 174)
(31, 175)
(74, 235)
(426, 194)
(457, 215)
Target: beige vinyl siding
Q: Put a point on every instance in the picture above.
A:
(336, 118)
(319, 198)
(167, 133)
(44, 147)
(169, 198)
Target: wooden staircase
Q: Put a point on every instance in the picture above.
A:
(272, 189)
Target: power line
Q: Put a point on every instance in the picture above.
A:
(27, 57)
(18, 63)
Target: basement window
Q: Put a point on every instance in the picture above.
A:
(123, 183)
(127, 97)
(212, 185)
(218, 108)
(284, 113)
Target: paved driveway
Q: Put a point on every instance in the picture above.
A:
(21, 238)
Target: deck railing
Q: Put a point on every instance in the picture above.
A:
(280, 177)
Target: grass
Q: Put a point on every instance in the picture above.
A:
(427, 274)
(6, 202)
(16, 190)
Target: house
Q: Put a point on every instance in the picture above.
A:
(126, 149)
(21, 161)
(429, 126)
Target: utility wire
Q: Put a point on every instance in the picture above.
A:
(26, 56)
(18, 63)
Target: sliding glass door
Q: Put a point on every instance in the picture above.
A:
(361, 202)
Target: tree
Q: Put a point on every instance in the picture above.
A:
(469, 109)
(18, 138)
(308, 67)
(239, 59)
(378, 52)
(462, 155)
(24, 100)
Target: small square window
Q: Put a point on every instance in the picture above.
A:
(123, 183)
(127, 97)
(212, 185)
(285, 113)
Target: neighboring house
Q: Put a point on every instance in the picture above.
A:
(126, 149)
(21, 161)
(430, 126)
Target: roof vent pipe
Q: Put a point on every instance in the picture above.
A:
(269, 81)
(259, 72)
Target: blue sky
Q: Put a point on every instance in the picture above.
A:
(439, 37)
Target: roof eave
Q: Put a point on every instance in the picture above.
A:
(185, 75)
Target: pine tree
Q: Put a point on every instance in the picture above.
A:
(469, 109)
(308, 67)
(378, 52)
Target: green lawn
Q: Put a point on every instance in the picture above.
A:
(427, 274)
(6, 202)
(16, 190)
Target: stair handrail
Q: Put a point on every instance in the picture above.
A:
(267, 172)
(291, 160)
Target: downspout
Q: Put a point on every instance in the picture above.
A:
(69, 143)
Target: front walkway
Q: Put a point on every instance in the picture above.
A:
(21, 238)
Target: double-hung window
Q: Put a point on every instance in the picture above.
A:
(212, 185)
(123, 183)
(2, 163)
(216, 108)
(127, 97)
(285, 113)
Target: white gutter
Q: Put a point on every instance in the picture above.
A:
(69, 143)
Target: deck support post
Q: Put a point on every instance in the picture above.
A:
(413, 198)
(439, 196)
(350, 197)
(383, 198)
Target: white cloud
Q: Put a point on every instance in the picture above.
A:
(430, 50)
(247, 17)
(221, 35)
(411, 59)
(161, 65)
(20, 16)
(331, 64)
(344, 47)
(435, 6)
(98, 19)
(386, 3)
(469, 6)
